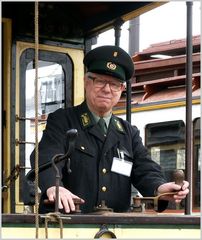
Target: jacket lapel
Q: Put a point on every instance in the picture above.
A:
(115, 129)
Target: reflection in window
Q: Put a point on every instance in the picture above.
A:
(166, 144)
(50, 98)
(51, 88)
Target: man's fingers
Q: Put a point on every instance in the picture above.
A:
(66, 198)
(185, 185)
(65, 203)
(71, 204)
(51, 194)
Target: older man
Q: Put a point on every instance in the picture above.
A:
(109, 154)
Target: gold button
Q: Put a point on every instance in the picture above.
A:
(104, 170)
(82, 147)
(104, 189)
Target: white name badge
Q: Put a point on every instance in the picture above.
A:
(121, 166)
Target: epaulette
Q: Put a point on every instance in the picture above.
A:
(85, 119)
(118, 125)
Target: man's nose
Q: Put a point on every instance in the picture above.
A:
(107, 86)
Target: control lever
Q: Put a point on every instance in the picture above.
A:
(178, 176)
(71, 134)
(29, 186)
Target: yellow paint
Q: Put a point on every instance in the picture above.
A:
(7, 35)
(142, 10)
(155, 106)
(89, 233)
(76, 56)
(17, 124)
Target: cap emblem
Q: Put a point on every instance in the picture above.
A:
(111, 66)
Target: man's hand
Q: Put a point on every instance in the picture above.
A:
(182, 191)
(65, 198)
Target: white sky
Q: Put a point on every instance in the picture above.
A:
(165, 23)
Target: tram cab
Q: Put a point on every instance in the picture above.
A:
(66, 32)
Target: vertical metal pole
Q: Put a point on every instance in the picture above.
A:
(134, 35)
(128, 100)
(36, 97)
(117, 31)
(189, 130)
(117, 28)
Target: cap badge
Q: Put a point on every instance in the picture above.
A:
(111, 66)
(85, 119)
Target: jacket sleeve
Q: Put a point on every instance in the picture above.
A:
(53, 142)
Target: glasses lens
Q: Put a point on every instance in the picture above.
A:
(115, 86)
(100, 83)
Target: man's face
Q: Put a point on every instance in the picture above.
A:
(102, 92)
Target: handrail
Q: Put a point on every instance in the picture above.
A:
(110, 218)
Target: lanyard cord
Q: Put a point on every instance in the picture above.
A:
(36, 24)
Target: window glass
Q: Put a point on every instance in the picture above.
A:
(50, 98)
(166, 144)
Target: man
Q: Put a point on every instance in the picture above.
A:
(103, 164)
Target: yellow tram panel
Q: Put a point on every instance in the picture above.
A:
(7, 36)
(88, 232)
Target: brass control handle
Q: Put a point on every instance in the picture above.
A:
(153, 200)
(178, 177)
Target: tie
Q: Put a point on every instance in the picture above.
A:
(102, 125)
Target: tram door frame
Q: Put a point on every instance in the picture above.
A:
(5, 93)
(12, 100)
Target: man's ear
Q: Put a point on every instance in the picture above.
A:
(85, 79)
(123, 87)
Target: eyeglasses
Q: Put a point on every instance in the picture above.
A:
(100, 83)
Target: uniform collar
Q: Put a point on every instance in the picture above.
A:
(107, 118)
(87, 119)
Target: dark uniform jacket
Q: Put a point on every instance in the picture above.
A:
(91, 177)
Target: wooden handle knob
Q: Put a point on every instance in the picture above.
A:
(178, 176)
(77, 203)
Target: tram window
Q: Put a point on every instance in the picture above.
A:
(166, 144)
(54, 91)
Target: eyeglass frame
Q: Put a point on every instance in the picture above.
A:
(104, 82)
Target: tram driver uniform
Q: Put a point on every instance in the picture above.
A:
(103, 165)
